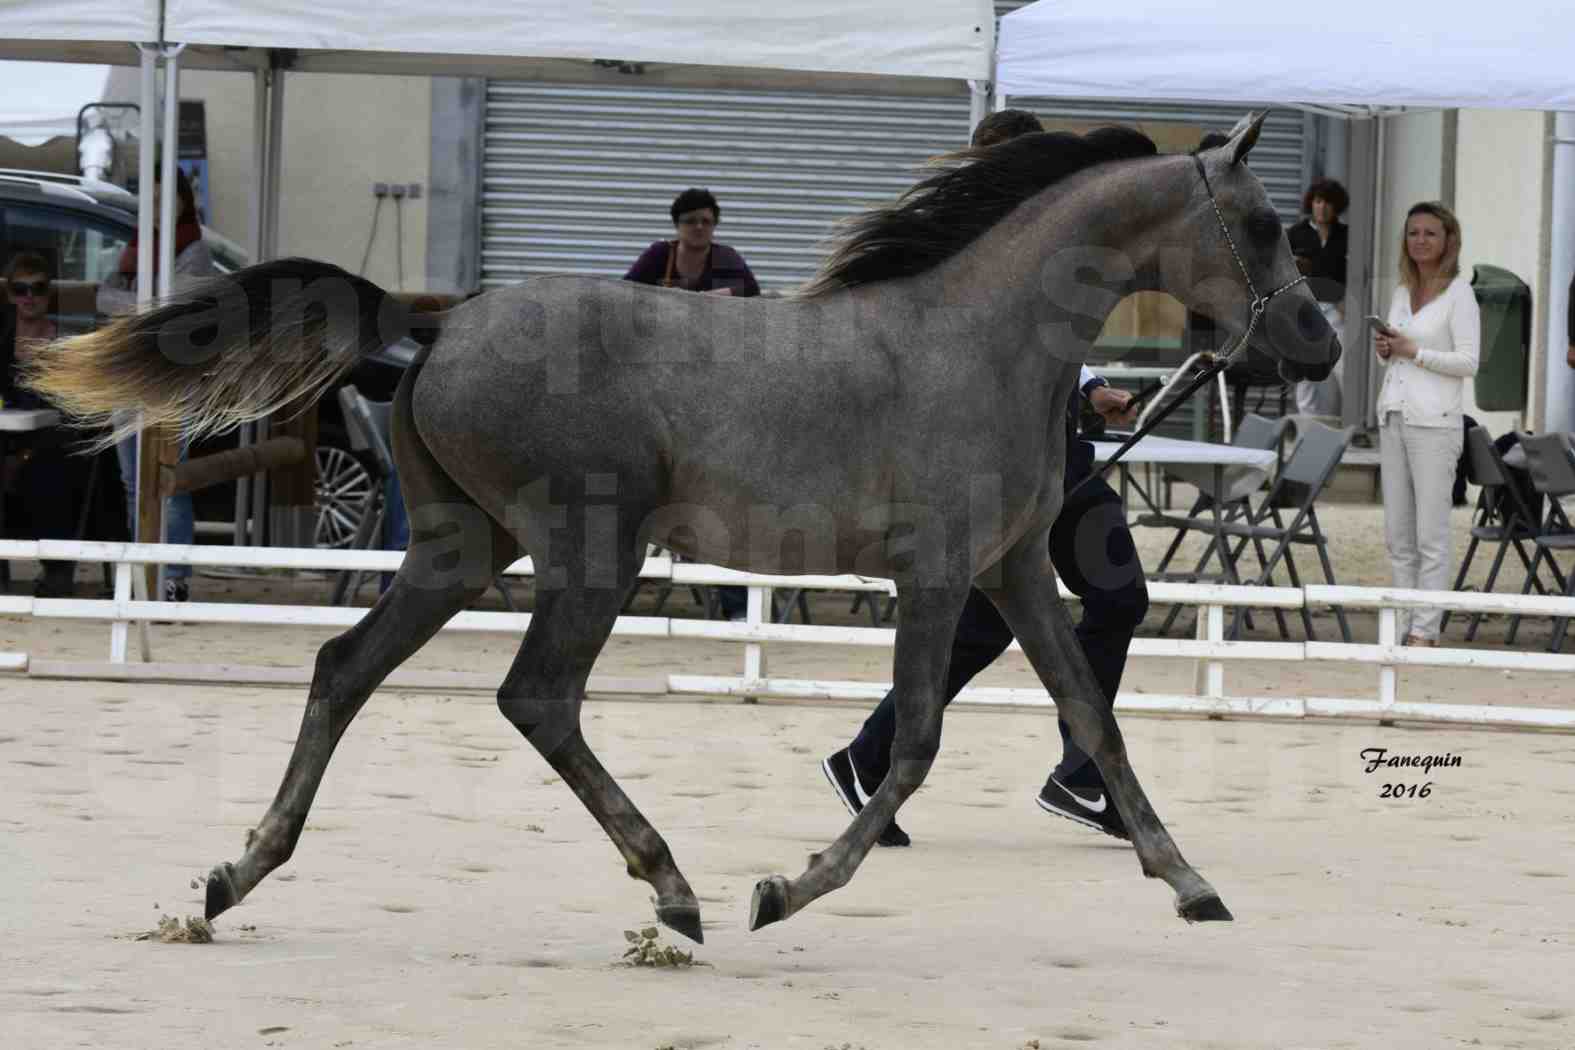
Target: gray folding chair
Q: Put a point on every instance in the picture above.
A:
(370, 426)
(1501, 517)
(1310, 466)
(1232, 495)
(1551, 460)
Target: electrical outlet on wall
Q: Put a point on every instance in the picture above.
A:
(379, 189)
(398, 190)
(414, 192)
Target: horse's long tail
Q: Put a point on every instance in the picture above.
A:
(232, 349)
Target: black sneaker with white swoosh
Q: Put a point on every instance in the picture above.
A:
(1091, 807)
(844, 781)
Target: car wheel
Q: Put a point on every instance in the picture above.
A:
(343, 486)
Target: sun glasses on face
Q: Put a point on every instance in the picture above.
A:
(26, 288)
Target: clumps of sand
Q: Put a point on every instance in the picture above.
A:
(646, 949)
(173, 931)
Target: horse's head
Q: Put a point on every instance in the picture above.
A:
(1243, 262)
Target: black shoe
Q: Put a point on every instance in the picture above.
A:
(51, 586)
(176, 591)
(845, 782)
(1091, 807)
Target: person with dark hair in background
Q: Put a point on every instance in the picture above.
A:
(1092, 549)
(48, 485)
(694, 261)
(1319, 242)
(118, 295)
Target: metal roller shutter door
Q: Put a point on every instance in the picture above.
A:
(579, 179)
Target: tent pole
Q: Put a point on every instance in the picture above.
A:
(271, 161)
(169, 198)
(1558, 401)
(261, 77)
(1358, 371)
(148, 479)
(978, 103)
(147, 510)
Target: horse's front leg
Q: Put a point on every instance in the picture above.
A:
(1032, 607)
(926, 621)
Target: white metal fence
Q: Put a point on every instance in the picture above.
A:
(128, 614)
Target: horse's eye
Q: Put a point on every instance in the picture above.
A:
(1263, 228)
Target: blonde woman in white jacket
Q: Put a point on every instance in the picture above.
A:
(1432, 348)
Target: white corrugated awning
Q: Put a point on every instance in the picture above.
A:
(1344, 54)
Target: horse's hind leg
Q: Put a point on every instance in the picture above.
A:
(455, 550)
(1033, 609)
(542, 697)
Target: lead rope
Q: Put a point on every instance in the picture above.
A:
(1218, 362)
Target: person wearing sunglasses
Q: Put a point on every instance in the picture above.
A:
(695, 262)
(45, 485)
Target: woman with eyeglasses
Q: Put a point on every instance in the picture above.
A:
(694, 261)
(118, 295)
(45, 485)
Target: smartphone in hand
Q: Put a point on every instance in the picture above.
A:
(1380, 325)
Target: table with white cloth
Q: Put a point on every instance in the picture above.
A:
(1163, 451)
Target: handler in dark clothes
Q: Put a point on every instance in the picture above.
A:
(1093, 553)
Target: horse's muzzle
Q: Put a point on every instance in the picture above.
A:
(1293, 371)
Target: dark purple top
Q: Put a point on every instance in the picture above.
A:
(724, 268)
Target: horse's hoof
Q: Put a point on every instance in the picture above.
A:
(770, 903)
(1207, 908)
(221, 892)
(682, 918)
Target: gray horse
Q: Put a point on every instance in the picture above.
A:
(903, 417)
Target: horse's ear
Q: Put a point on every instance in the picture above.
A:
(1244, 136)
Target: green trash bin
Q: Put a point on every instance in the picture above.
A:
(1505, 303)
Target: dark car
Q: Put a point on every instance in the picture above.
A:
(83, 225)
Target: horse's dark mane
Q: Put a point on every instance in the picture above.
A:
(973, 190)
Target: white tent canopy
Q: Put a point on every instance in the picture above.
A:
(888, 37)
(86, 22)
(1512, 54)
(546, 39)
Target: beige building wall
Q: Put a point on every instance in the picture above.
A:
(1413, 170)
(1425, 158)
(1492, 163)
(342, 133)
(1499, 177)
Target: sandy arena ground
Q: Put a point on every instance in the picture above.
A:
(449, 892)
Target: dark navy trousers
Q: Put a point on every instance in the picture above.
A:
(1093, 553)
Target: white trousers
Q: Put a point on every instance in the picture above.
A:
(1323, 397)
(1418, 473)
